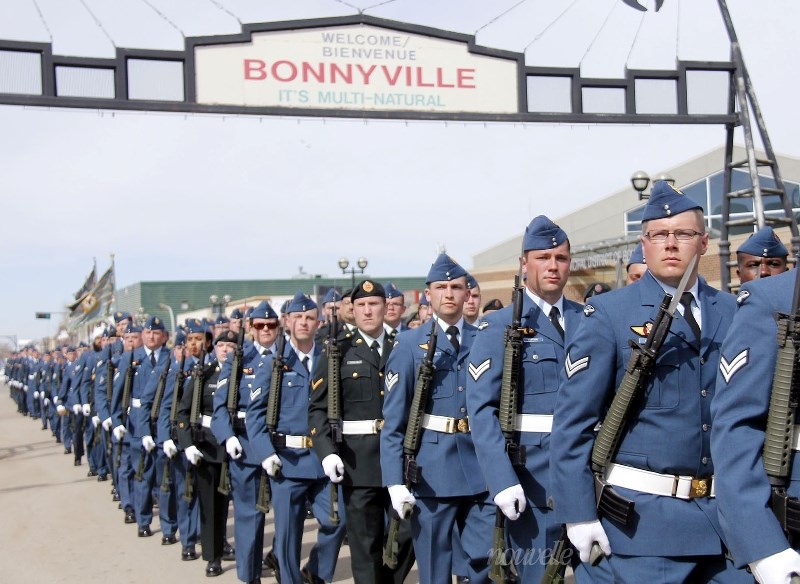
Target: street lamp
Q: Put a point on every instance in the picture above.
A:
(168, 308)
(362, 264)
(217, 305)
(640, 180)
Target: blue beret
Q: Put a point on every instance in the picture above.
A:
(70, 349)
(263, 310)
(637, 256)
(423, 300)
(195, 325)
(332, 296)
(180, 338)
(471, 282)
(541, 233)
(445, 269)
(236, 313)
(110, 332)
(120, 316)
(367, 288)
(392, 291)
(764, 243)
(154, 324)
(284, 306)
(666, 201)
(132, 328)
(300, 303)
(221, 319)
(81, 345)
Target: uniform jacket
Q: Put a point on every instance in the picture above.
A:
(144, 388)
(670, 431)
(362, 388)
(175, 381)
(202, 436)
(449, 464)
(543, 355)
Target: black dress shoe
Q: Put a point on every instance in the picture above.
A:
(310, 578)
(130, 516)
(255, 581)
(77, 462)
(214, 568)
(188, 554)
(168, 540)
(145, 531)
(68, 451)
(102, 477)
(113, 490)
(228, 553)
(91, 473)
(270, 566)
(58, 439)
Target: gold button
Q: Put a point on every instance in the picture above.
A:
(355, 374)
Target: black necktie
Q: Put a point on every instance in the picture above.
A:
(452, 332)
(375, 350)
(554, 313)
(686, 301)
(305, 362)
(153, 359)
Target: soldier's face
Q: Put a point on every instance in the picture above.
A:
(473, 304)
(195, 342)
(346, 310)
(153, 339)
(303, 325)
(265, 331)
(395, 307)
(222, 349)
(547, 271)
(132, 341)
(369, 313)
(177, 352)
(668, 261)
(121, 326)
(635, 272)
(750, 267)
(447, 298)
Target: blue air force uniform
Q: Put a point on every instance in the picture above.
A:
(739, 415)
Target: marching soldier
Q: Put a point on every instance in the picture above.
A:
(285, 450)
(761, 255)
(395, 308)
(663, 462)
(355, 462)
(636, 265)
(472, 307)
(450, 498)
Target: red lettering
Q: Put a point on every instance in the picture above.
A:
(308, 72)
(392, 79)
(439, 79)
(463, 76)
(276, 74)
(255, 69)
(420, 82)
(366, 74)
(408, 77)
(346, 75)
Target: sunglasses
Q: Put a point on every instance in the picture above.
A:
(260, 325)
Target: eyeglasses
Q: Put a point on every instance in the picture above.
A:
(661, 235)
(260, 325)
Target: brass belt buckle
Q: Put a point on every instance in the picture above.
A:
(378, 426)
(699, 488)
(307, 442)
(463, 425)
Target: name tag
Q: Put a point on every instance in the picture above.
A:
(354, 362)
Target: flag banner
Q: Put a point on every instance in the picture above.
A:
(96, 304)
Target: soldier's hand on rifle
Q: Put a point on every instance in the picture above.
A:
(511, 501)
(272, 464)
(169, 448)
(76, 409)
(95, 421)
(36, 394)
(87, 410)
(401, 497)
(46, 401)
(234, 447)
(584, 534)
(61, 410)
(56, 400)
(333, 467)
(25, 388)
(777, 568)
(193, 455)
(119, 432)
(107, 424)
(148, 443)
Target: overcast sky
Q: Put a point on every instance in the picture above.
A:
(185, 197)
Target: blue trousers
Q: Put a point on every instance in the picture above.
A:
(670, 570)
(248, 522)
(143, 489)
(173, 509)
(124, 474)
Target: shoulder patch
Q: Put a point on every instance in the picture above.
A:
(477, 371)
(574, 367)
(729, 368)
(588, 310)
(483, 324)
(391, 380)
(317, 383)
(743, 296)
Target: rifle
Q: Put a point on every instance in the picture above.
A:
(232, 405)
(273, 410)
(507, 414)
(412, 472)
(779, 432)
(177, 390)
(162, 381)
(127, 387)
(334, 406)
(194, 415)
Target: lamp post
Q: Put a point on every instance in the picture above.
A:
(168, 308)
(640, 180)
(362, 264)
(141, 316)
(218, 304)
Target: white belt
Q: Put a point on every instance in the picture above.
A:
(796, 438)
(361, 427)
(205, 421)
(136, 402)
(297, 441)
(241, 415)
(534, 423)
(445, 424)
(667, 485)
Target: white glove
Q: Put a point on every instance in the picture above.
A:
(193, 455)
(119, 432)
(511, 501)
(169, 448)
(777, 568)
(584, 534)
(401, 497)
(61, 410)
(87, 410)
(25, 388)
(107, 424)
(47, 401)
(36, 394)
(76, 409)
(95, 421)
(234, 447)
(56, 401)
(148, 444)
(333, 467)
(272, 465)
